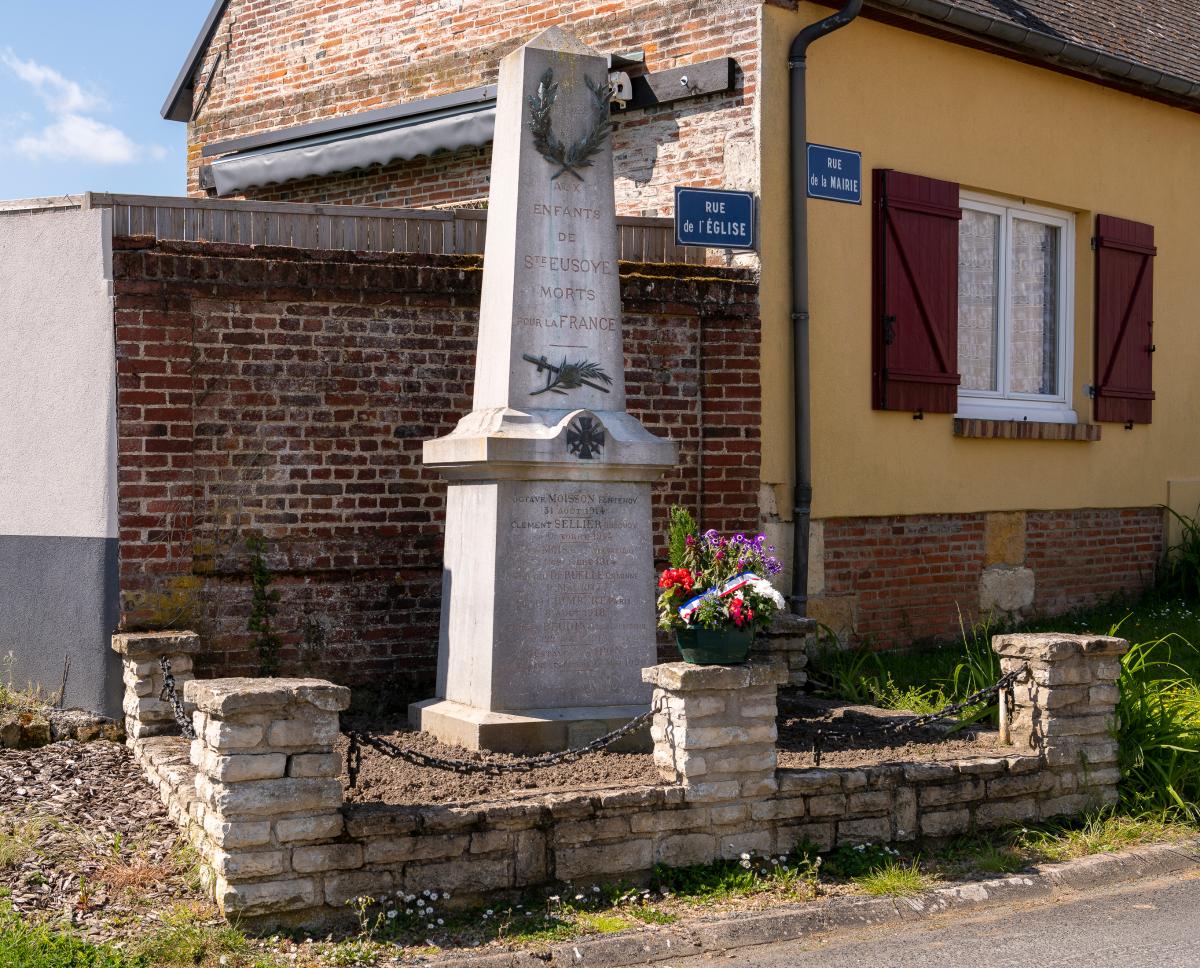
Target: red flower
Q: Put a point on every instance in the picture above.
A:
(740, 612)
(677, 578)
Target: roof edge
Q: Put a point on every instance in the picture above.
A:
(178, 105)
(1043, 46)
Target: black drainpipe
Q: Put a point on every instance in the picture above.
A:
(802, 403)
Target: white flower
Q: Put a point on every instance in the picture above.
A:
(440, 921)
(745, 856)
(762, 587)
(392, 913)
(433, 896)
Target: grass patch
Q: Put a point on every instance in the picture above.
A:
(895, 879)
(1098, 833)
(793, 874)
(189, 936)
(37, 946)
(18, 840)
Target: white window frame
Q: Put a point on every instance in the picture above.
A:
(1001, 404)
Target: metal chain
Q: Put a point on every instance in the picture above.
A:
(168, 694)
(525, 764)
(989, 694)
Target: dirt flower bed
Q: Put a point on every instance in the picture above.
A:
(848, 736)
(866, 735)
(384, 779)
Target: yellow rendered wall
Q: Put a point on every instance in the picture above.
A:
(929, 107)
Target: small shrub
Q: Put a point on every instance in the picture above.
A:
(843, 673)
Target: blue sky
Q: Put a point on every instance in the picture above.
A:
(81, 84)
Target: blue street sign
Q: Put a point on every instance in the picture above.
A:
(835, 174)
(714, 218)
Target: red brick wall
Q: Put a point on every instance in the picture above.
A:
(1085, 556)
(287, 392)
(908, 573)
(283, 64)
(893, 580)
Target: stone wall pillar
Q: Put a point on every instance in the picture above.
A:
(787, 641)
(269, 792)
(145, 713)
(1066, 709)
(714, 732)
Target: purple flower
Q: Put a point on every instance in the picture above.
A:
(773, 566)
(711, 536)
(741, 564)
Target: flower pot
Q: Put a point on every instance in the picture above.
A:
(714, 646)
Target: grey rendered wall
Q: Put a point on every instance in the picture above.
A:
(58, 472)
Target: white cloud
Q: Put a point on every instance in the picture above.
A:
(62, 96)
(72, 135)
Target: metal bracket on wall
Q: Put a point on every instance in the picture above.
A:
(680, 83)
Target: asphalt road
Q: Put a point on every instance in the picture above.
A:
(1153, 924)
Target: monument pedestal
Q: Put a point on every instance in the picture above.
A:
(548, 585)
(531, 731)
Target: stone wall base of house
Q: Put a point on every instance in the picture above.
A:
(893, 580)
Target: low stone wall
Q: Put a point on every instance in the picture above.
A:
(259, 797)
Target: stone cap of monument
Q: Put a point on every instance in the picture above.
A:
(557, 39)
(502, 435)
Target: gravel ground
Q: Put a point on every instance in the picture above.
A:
(84, 839)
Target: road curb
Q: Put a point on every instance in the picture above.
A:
(790, 923)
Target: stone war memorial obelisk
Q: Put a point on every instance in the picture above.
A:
(548, 589)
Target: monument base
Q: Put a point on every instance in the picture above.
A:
(530, 731)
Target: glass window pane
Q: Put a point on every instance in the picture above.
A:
(1033, 336)
(978, 298)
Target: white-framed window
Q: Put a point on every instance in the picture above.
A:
(1015, 310)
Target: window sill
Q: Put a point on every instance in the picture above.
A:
(1024, 430)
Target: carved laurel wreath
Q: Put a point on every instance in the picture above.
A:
(579, 154)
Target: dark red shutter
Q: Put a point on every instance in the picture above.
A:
(1124, 319)
(915, 344)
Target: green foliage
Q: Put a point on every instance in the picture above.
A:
(1180, 573)
(895, 879)
(979, 668)
(189, 938)
(843, 673)
(37, 946)
(264, 603)
(1159, 731)
(680, 525)
(19, 839)
(1101, 832)
(913, 699)
(851, 861)
(794, 873)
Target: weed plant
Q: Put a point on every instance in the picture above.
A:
(1158, 731)
(1179, 576)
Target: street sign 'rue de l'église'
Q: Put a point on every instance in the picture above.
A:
(715, 218)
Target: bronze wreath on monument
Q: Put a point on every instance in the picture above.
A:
(579, 154)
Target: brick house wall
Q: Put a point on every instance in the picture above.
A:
(893, 580)
(276, 65)
(287, 392)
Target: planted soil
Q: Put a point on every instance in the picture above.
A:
(819, 732)
(845, 736)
